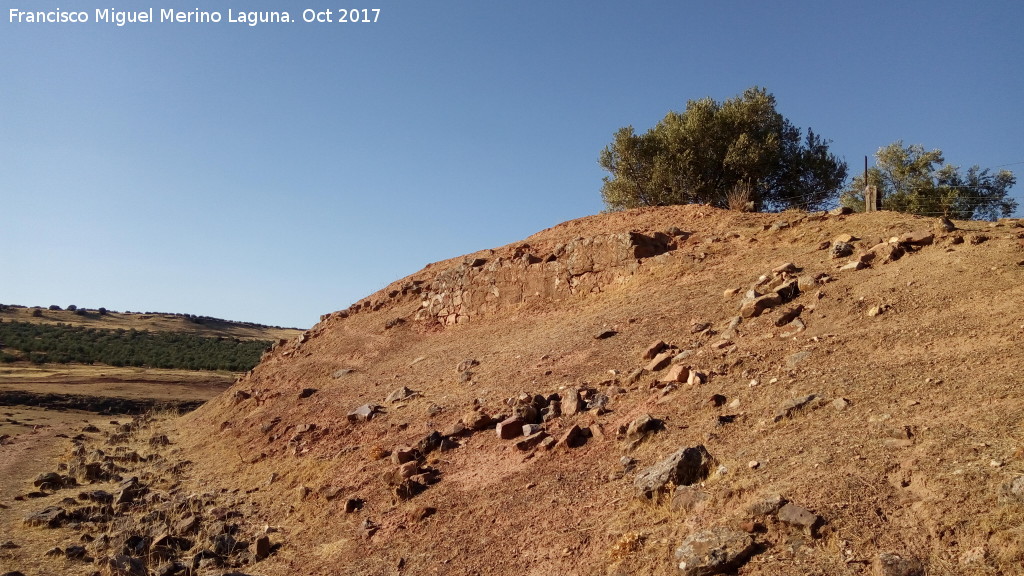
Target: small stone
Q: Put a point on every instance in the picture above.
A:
(364, 413)
(798, 516)
(787, 268)
(917, 238)
(696, 378)
(660, 361)
(896, 565)
(353, 504)
(841, 249)
(765, 506)
(791, 406)
(307, 392)
(797, 358)
(677, 373)
(716, 400)
(753, 464)
(531, 429)
(531, 441)
(400, 394)
(571, 402)
(654, 349)
(605, 335)
(840, 404)
(477, 420)
(635, 375)
(261, 548)
(789, 314)
(855, 265)
(754, 307)
(573, 438)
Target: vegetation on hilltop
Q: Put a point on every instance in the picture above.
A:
(63, 343)
(912, 179)
(732, 154)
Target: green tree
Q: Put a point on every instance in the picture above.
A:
(912, 179)
(703, 153)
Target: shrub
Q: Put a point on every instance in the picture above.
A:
(54, 307)
(37, 313)
(72, 307)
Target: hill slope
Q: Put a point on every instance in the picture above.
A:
(888, 415)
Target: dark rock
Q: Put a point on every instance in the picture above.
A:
(75, 552)
(598, 403)
(353, 504)
(686, 466)
(409, 488)
(52, 517)
(429, 443)
(605, 335)
(121, 565)
(53, 481)
(714, 551)
(307, 392)
(100, 496)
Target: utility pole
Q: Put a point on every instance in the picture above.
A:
(872, 200)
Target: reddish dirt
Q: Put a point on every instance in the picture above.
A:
(918, 464)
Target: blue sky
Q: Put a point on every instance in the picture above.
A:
(278, 172)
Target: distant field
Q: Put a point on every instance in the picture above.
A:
(43, 392)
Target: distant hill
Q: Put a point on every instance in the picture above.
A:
(153, 340)
(148, 321)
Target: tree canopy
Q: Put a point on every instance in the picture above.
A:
(712, 149)
(912, 179)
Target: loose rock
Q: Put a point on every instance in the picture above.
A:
(714, 551)
(684, 467)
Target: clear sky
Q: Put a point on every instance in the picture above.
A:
(277, 172)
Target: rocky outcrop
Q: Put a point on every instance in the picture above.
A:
(480, 285)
